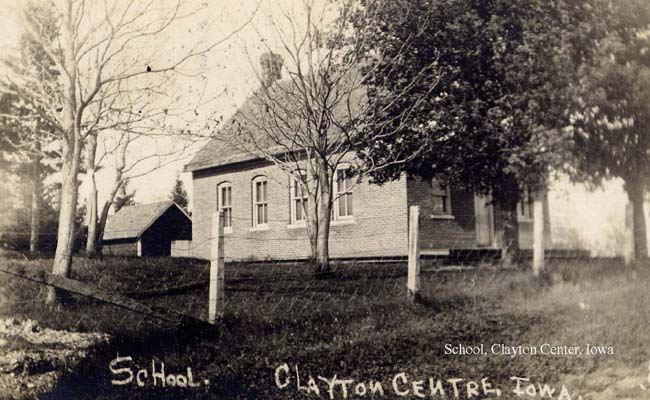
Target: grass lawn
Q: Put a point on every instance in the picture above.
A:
(356, 324)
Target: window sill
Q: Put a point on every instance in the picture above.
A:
(227, 231)
(260, 228)
(346, 221)
(442, 216)
(297, 226)
(524, 219)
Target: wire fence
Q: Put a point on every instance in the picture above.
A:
(273, 310)
(264, 289)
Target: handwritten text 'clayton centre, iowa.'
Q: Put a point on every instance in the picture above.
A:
(407, 386)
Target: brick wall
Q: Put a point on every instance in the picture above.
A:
(459, 232)
(379, 226)
(442, 232)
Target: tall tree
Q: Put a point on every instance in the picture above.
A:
(26, 139)
(99, 58)
(489, 111)
(178, 194)
(303, 117)
(21, 155)
(17, 235)
(611, 117)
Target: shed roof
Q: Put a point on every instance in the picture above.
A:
(132, 221)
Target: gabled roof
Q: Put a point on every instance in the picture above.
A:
(220, 150)
(227, 146)
(132, 221)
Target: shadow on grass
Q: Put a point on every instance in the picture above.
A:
(356, 323)
(239, 355)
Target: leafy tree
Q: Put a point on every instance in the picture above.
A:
(490, 105)
(178, 194)
(611, 116)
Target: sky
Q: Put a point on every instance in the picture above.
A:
(227, 77)
(228, 71)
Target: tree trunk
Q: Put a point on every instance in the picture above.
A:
(548, 239)
(635, 192)
(37, 200)
(117, 183)
(313, 224)
(323, 255)
(101, 225)
(510, 246)
(324, 218)
(103, 217)
(507, 202)
(67, 216)
(71, 155)
(91, 209)
(91, 205)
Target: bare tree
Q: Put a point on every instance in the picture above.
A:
(96, 53)
(306, 121)
(127, 121)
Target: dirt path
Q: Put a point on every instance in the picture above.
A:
(32, 358)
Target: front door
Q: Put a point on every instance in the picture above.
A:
(484, 212)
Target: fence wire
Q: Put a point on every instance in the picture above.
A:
(261, 288)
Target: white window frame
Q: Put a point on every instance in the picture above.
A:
(447, 212)
(227, 217)
(339, 195)
(295, 198)
(264, 203)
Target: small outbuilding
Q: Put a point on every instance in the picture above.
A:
(146, 230)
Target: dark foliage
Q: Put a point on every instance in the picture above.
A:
(611, 111)
(178, 194)
(492, 80)
(15, 234)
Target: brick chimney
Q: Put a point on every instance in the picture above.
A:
(271, 68)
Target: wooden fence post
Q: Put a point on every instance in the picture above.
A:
(413, 278)
(538, 233)
(216, 298)
(628, 250)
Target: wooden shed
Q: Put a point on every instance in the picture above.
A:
(146, 230)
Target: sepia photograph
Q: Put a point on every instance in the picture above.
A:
(325, 199)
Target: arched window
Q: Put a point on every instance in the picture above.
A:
(299, 198)
(224, 202)
(260, 202)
